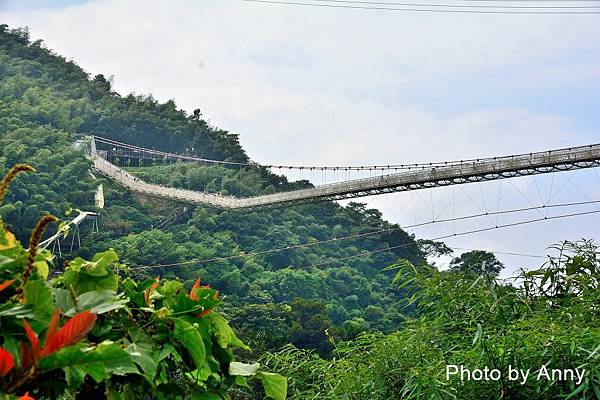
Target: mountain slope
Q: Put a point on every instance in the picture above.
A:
(46, 102)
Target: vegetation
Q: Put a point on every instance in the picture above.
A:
(135, 322)
(121, 338)
(549, 321)
(477, 262)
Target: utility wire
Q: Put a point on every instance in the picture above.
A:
(304, 245)
(475, 6)
(365, 253)
(532, 1)
(426, 9)
(509, 253)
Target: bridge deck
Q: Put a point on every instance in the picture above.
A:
(487, 169)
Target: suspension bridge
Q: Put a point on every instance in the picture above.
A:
(394, 178)
(106, 154)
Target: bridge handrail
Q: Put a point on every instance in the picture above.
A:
(569, 150)
(490, 168)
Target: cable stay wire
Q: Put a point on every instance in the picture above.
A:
(533, 1)
(474, 6)
(530, 221)
(386, 230)
(425, 8)
(507, 253)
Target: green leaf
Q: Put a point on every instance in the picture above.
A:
(63, 300)
(101, 301)
(42, 269)
(170, 288)
(141, 354)
(98, 372)
(192, 340)
(18, 310)
(275, 385)
(39, 296)
(164, 352)
(225, 335)
(99, 266)
(85, 276)
(596, 391)
(477, 334)
(185, 305)
(241, 381)
(242, 369)
(199, 375)
(75, 376)
(109, 357)
(5, 260)
(578, 390)
(97, 301)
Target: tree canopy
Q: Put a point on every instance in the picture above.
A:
(478, 262)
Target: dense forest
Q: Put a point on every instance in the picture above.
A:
(339, 324)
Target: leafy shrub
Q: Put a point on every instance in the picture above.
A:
(118, 338)
(550, 318)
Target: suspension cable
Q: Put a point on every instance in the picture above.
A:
(407, 166)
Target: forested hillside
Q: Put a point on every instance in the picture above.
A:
(46, 102)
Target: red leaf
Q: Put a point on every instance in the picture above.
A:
(33, 339)
(73, 331)
(147, 296)
(216, 295)
(149, 289)
(193, 294)
(27, 359)
(203, 313)
(52, 326)
(26, 396)
(6, 284)
(6, 362)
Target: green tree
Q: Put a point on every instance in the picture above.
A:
(477, 262)
(311, 325)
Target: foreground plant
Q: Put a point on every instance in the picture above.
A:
(120, 338)
(548, 321)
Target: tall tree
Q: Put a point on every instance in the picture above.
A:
(479, 262)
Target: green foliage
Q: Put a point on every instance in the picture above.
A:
(310, 325)
(477, 262)
(139, 336)
(83, 276)
(551, 319)
(124, 339)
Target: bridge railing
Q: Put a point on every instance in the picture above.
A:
(439, 175)
(500, 167)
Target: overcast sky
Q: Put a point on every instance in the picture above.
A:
(333, 86)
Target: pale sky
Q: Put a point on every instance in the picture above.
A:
(312, 86)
